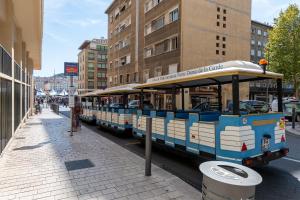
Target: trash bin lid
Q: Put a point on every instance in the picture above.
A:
(230, 173)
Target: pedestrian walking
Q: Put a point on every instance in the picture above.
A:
(77, 112)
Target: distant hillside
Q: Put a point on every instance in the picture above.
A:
(56, 75)
(59, 75)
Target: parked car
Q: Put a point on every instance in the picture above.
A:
(252, 106)
(116, 105)
(205, 107)
(136, 104)
(258, 106)
(288, 107)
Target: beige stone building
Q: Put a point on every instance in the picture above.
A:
(21, 31)
(92, 61)
(149, 38)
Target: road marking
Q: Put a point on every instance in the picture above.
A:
(291, 159)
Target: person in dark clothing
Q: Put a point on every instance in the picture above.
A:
(76, 113)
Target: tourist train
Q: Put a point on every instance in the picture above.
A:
(234, 133)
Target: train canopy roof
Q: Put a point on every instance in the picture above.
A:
(118, 90)
(210, 75)
(90, 94)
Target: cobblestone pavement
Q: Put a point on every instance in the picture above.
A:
(33, 167)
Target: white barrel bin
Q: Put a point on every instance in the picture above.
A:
(228, 181)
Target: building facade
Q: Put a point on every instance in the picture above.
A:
(149, 38)
(263, 90)
(21, 25)
(92, 62)
(259, 40)
(260, 90)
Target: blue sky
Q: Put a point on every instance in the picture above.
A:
(67, 23)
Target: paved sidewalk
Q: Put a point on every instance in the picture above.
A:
(295, 131)
(33, 167)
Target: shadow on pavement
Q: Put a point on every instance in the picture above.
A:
(32, 147)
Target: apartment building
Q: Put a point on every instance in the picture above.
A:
(263, 90)
(149, 38)
(259, 40)
(92, 60)
(122, 52)
(21, 31)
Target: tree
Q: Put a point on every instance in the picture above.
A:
(283, 48)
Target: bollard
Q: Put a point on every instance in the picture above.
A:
(148, 149)
(293, 117)
(71, 118)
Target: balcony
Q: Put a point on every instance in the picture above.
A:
(169, 55)
(164, 32)
(122, 15)
(121, 33)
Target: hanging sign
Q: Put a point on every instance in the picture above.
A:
(71, 69)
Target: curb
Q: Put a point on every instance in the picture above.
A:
(288, 131)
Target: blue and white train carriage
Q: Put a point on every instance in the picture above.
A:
(89, 110)
(117, 116)
(236, 135)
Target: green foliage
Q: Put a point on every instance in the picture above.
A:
(283, 48)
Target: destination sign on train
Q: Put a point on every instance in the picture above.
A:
(199, 70)
(187, 73)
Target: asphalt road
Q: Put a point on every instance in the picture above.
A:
(280, 178)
